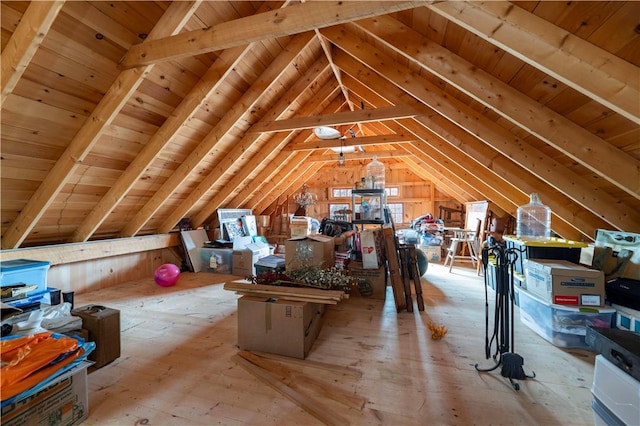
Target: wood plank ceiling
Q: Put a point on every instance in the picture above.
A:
(120, 118)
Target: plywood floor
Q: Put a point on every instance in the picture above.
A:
(177, 345)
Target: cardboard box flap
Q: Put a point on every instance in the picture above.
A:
(315, 237)
(563, 267)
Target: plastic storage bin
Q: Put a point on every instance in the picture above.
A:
(24, 271)
(617, 392)
(627, 318)
(216, 260)
(563, 326)
(553, 248)
(29, 272)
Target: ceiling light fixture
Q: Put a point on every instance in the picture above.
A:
(325, 132)
(304, 198)
(341, 159)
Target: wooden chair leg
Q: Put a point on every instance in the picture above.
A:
(416, 277)
(402, 250)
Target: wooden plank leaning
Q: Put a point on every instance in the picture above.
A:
(394, 268)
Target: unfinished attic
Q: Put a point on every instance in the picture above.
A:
(135, 134)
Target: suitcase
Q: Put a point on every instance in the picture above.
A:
(620, 347)
(103, 325)
(624, 292)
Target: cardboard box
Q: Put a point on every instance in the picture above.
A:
(312, 250)
(64, 401)
(564, 283)
(103, 325)
(434, 253)
(282, 327)
(300, 226)
(372, 283)
(216, 260)
(371, 245)
(243, 260)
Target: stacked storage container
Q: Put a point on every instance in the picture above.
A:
(25, 272)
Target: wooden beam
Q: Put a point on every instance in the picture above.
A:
(579, 64)
(420, 167)
(79, 252)
(337, 143)
(266, 180)
(221, 130)
(172, 21)
(593, 152)
(299, 173)
(240, 187)
(25, 41)
(239, 151)
(493, 166)
(358, 156)
(348, 117)
(291, 20)
(301, 399)
(542, 165)
(207, 85)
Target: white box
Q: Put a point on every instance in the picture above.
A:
(370, 245)
(64, 401)
(617, 391)
(564, 283)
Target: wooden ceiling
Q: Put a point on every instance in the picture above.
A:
(120, 118)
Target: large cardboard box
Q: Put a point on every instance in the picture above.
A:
(64, 401)
(282, 327)
(564, 283)
(372, 283)
(243, 260)
(312, 250)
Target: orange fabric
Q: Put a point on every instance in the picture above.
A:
(24, 360)
(10, 391)
(8, 345)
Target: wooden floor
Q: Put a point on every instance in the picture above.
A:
(176, 366)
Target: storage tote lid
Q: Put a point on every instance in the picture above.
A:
(551, 242)
(19, 264)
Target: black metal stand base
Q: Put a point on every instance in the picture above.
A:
(511, 370)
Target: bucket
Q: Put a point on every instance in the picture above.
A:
(54, 296)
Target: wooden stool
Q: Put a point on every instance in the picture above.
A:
(463, 240)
